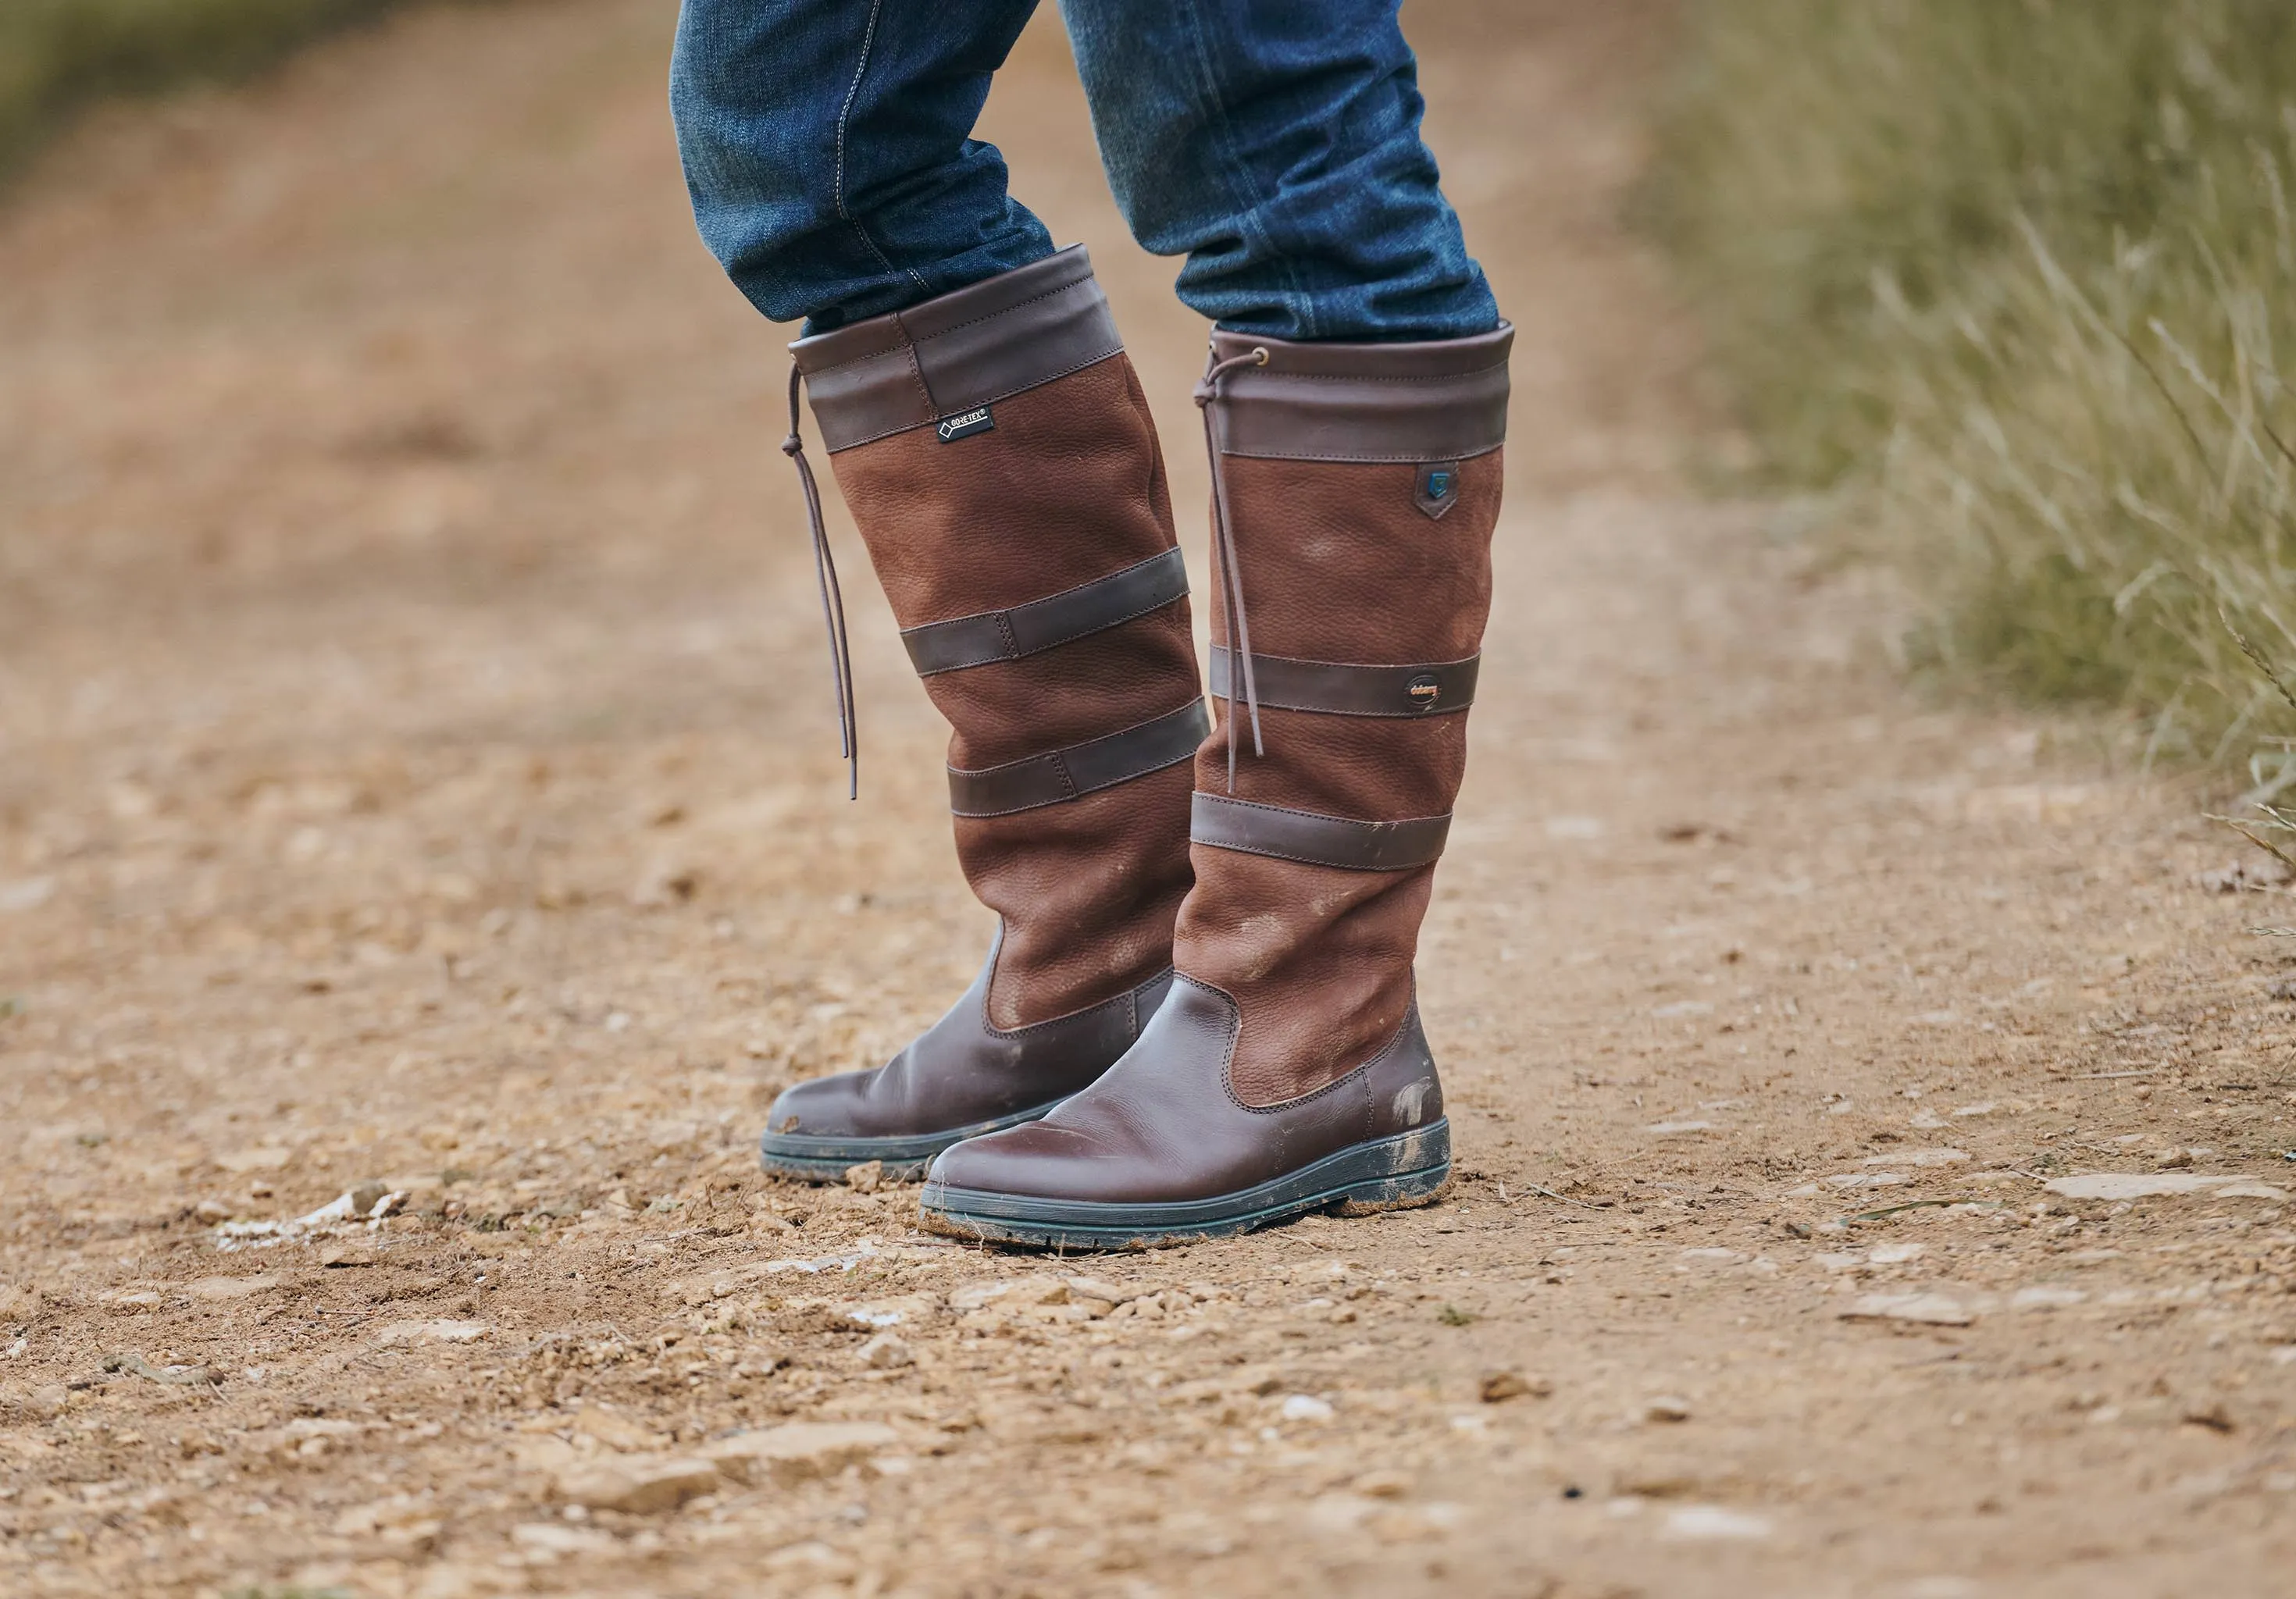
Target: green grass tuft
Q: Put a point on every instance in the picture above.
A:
(2011, 278)
(58, 55)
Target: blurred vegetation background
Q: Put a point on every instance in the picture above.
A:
(57, 55)
(2008, 279)
(2003, 279)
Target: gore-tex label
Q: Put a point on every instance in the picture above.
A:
(964, 426)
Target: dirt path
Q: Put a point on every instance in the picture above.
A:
(416, 775)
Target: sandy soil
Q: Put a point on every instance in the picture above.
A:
(417, 778)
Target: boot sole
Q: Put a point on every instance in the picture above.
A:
(1398, 1173)
(814, 1159)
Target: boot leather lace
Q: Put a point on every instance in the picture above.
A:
(833, 599)
(1209, 394)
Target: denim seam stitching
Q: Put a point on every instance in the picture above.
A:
(1001, 311)
(1238, 175)
(844, 116)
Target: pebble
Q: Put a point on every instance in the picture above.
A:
(638, 1486)
(1677, 1129)
(1693, 1523)
(2150, 1184)
(617, 1432)
(1931, 1309)
(2045, 1297)
(1499, 1386)
(796, 1451)
(367, 1195)
(554, 1538)
(211, 1211)
(1666, 1407)
(865, 1177)
(885, 1353)
(26, 894)
(395, 1334)
(1304, 1407)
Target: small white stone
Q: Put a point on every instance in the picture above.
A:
(2148, 1184)
(397, 1334)
(638, 1486)
(1692, 1522)
(2045, 1297)
(1304, 1407)
(1894, 1254)
(26, 894)
(796, 1451)
(1931, 1309)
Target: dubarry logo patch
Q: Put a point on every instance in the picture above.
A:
(1438, 487)
(965, 425)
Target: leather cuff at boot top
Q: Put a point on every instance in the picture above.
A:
(1441, 400)
(946, 362)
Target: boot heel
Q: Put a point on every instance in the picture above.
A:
(1408, 1193)
(1418, 1173)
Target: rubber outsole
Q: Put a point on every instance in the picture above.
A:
(812, 1159)
(1396, 1173)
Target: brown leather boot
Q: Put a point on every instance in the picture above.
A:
(997, 454)
(1287, 1071)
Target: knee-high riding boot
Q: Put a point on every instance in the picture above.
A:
(1356, 489)
(997, 454)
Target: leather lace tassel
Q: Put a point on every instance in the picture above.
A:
(1208, 395)
(833, 599)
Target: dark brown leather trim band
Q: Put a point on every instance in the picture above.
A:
(1073, 613)
(1316, 840)
(1442, 400)
(1096, 764)
(1353, 691)
(955, 352)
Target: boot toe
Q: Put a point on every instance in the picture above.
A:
(827, 1107)
(1040, 1161)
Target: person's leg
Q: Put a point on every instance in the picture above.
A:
(1276, 146)
(828, 149)
(1356, 474)
(997, 454)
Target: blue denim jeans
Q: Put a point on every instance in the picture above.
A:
(1275, 144)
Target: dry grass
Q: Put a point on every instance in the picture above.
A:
(2009, 279)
